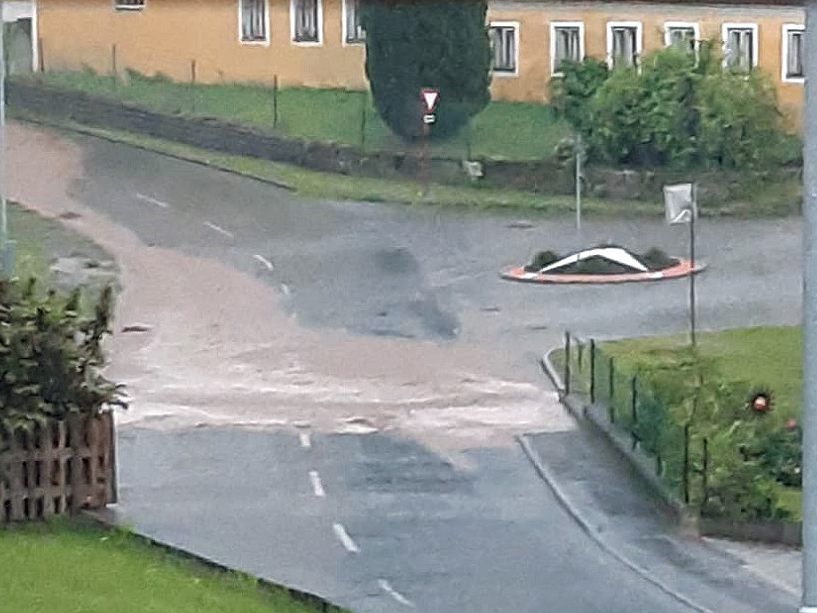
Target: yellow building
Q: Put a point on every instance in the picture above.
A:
(318, 43)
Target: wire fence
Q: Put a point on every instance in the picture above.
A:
(681, 455)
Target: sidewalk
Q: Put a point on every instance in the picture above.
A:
(777, 564)
(620, 513)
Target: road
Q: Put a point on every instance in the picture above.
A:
(378, 370)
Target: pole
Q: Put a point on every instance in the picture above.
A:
(363, 104)
(579, 185)
(425, 161)
(275, 102)
(4, 230)
(809, 402)
(692, 264)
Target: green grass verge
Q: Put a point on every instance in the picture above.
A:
(514, 131)
(60, 567)
(341, 187)
(769, 357)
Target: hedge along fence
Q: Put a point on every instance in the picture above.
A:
(59, 467)
(707, 452)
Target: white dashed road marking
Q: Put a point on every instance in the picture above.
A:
(152, 201)
(306, 441)
(345, 539)
(219, 229)
(264, 261)
(285, 289)
(384, 585)
(317, 486)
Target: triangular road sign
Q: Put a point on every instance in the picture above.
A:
(430, 97)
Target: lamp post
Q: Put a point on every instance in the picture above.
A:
(6, 245)
(809, 403)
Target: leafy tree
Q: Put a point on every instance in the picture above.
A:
(675, 109)
(441, 44)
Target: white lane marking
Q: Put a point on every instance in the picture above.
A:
(152, 201)
(345, 539)
(264, 261)
(219, 229)
(384, 585)
(285, 289)
(306, 442)
(317, 486)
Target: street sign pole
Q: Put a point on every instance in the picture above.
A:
(692, 264)
(579, 186)
(4, 230)
(809, 403)
(429, 99)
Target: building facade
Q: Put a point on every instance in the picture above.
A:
(319, 43)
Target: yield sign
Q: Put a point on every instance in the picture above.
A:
(430, 98)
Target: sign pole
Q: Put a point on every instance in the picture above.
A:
(809, 402)
(579, 185)
(692, 264)
(4, 230)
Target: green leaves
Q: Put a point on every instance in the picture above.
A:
(412, 45)
(50, 356)
(675, 110)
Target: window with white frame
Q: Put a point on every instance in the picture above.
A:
(740, 46)
(623, 44)
(793, 52)
(504, 44)
(254, 24)
(306, 21)
(682, 36)
(124, 5)
(566, 43)
(353, 32)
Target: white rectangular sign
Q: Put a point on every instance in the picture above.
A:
(679, 202)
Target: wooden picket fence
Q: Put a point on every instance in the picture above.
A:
(59, 468)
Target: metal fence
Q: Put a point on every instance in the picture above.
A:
(681, 456)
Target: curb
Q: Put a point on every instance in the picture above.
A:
(176, 156)
(584, 523)
(681, 270)
(320, 604)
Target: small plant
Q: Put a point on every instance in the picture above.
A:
(541, 260)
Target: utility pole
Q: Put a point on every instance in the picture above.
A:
(4, 228)
(808, 603)
(579, 186)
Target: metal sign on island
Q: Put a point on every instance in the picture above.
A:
(430, 98)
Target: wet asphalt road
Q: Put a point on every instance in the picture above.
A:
(486, 538)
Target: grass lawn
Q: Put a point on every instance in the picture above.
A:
(340, 187)
(515, 131)
(47, 568)
(769, 357)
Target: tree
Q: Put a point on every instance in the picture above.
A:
(442, 44)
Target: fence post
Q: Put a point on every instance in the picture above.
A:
(40, 55)
(114, 69)
(705, 474)
(193, 86)
(275, 101)
(592, 371)
(685, 475)
(579, 354)
(567, 363)
(364, 104)
(634, 409)
(611, 389)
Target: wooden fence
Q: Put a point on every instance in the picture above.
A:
(60, 468)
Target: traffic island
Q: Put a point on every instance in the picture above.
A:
(602, 264)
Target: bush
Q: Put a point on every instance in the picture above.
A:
(411, 45)
(674, 111)
(50, 357)
(541, 260)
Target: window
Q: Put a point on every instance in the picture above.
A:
(352, 30)
(253, 20)
(132, 5)
(740, 46)
(566, 43)
(504, 45)
(306, 21)
(793, 53)
(683, 36)
(623, 43)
